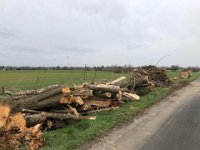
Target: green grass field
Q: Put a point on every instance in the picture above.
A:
(79, 132)
(37, 79)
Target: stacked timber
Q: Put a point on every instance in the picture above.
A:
(67, 103)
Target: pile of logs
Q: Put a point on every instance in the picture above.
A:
(53, 107)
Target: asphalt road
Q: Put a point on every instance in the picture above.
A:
(172, 124)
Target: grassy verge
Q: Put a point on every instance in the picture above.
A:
(80, 132)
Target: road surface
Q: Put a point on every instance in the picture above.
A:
(172, 124)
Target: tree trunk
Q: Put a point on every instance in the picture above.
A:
(103, 87)
(41, 101)
(40, 118)
(100, 110)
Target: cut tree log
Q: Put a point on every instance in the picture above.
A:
(75, 112)
(119, 96)
(84, 107)
(39, 117)
(116, 81)
(100, 110)
(49, 88)
(61, 111)
(60, 116)
(97, 103)
(33, 119)
(103, 87)
(51, 110)
(41, 101)
(85, 93)
(102, 94)
(71, 99)
(131, 96)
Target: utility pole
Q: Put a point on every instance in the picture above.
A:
(67, 65)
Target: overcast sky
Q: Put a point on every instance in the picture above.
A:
(99, 32)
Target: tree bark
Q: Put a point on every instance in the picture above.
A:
(40, 118)
(41, 101)
(100, 110)
(102, 94)
(103, 87)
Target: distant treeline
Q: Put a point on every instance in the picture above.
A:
(115, 68)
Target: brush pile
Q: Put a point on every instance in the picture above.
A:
(145, 79)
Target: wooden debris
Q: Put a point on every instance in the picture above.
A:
(54, 106)
(75, 112)
(4, 113)
(131, 96)
(186, 74)
(97, 103)
(103, 87)
(102, 94)
(145, 79)
(116, 81)
(15, 121)
(72, 99)
(119, 96)
(60, 116)
(14, 132)
(100, 110)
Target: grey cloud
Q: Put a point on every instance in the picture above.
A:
(105, 32)
(5, 33)
(80, 50)
(138, 47)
